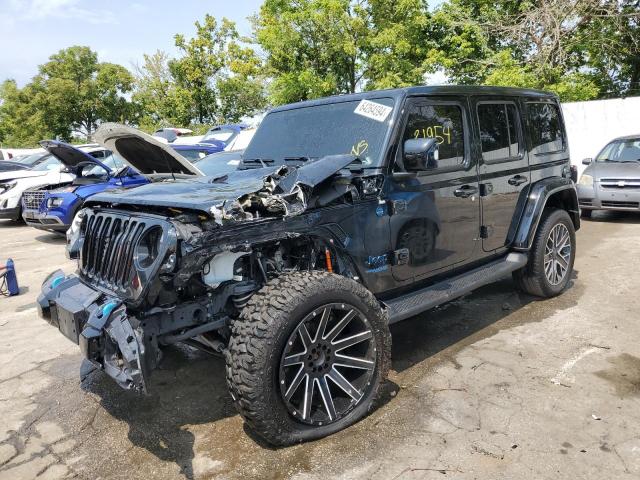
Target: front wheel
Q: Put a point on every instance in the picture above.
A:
(307, 357)
(551, 257)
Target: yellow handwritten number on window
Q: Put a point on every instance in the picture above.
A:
(441, 133)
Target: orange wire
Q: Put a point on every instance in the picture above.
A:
(327, 256)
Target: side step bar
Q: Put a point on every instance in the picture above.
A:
(411, 304)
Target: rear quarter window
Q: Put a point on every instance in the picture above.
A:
(545, 128)
(499, 134)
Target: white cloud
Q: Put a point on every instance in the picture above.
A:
(43, 9)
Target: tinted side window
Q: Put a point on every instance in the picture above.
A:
(498, 132)
(442, 122)
(546, 129)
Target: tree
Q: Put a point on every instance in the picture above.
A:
(322, 47)
(612, 49)
(155, 94)
(21, 123)
(71, 95)
(78, 92)
(215, 79)
(572, 47)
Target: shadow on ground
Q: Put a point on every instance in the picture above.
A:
(189, 390)
(610, 216)
(52, 238)
(11, 223)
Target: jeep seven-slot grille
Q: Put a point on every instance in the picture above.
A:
(108, 248)
(33, 199)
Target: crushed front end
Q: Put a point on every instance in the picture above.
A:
(126, 300)
(151, 275)
(96, 308)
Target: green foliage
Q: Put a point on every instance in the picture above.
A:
(322, 47)
(579, 49)
(156, 96)
(21, 123)
(70, 96)
(215, 79)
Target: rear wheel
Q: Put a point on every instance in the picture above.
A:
(551, 256)
(307, 357)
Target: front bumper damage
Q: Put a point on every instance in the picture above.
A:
(108, 337)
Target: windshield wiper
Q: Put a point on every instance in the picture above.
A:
(255, 161)
(297, 159)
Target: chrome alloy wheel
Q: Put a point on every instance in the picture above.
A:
(557, 254)
(327, 364)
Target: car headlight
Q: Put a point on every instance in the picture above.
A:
(5, 187)
(586, 180)
(147, 248)
(54, 202)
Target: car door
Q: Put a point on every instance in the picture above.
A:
(503, 167)
(435, 212)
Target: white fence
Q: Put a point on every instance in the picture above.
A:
(591, 125)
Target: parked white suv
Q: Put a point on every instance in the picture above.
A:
(49, 171)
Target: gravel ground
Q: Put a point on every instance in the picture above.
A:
(495, 385)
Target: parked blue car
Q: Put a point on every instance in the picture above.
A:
(195, 152)
(54, 207)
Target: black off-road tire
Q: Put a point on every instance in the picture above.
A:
(260, 335)
(586, 213)
(532, 279)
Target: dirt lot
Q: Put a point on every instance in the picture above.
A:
(493, 386)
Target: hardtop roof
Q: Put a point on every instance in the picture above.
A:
(626, 137)
(464, 90)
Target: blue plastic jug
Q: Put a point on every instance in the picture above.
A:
(8, 279)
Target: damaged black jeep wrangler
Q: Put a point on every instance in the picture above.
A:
(346, 214)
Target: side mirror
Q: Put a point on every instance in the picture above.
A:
(420, 154)
(587, 161)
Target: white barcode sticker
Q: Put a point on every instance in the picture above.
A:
(373, 110)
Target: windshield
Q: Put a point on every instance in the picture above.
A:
(192, 154)
(50, 163)
(113, 161)
(320, 130)
(222, 134)
(31, 159)
(241, 141)
(218, 164)
(621, 151)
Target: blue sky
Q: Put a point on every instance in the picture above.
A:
(120, 31)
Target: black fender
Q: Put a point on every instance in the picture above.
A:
(558, 192)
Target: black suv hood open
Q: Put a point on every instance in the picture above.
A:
(240, 195)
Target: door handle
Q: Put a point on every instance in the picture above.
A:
(517, 180)
(465, 191)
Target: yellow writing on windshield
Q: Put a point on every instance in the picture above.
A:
(441, 133)
(360, 148)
